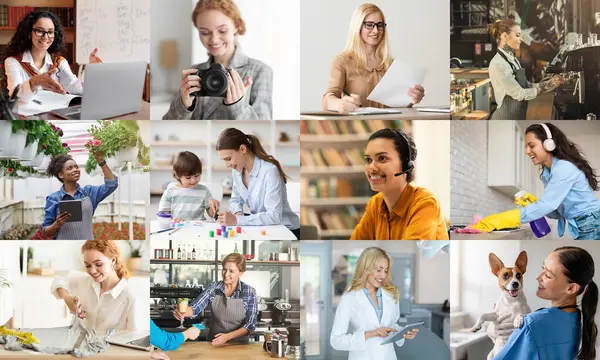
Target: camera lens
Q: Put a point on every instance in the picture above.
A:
(216, 82)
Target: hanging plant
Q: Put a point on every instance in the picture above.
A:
(50, 142)
(9, 168)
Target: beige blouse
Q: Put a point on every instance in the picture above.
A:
(345, 75)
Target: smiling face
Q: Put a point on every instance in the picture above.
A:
(70, 172)
(382, 161)
(42, 43)
(510, 279)
(98, 265)
(534, 148)
(372, 37)
(378, 275)
(230, 273)
(233, 159)
(189, 181)
(217, 32)
(513, 39)
(552, 283)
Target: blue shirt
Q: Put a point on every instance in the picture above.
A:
(243, 291)
(379, 307)
(96, 193)
(567, 195)
(165, 340)
(266, 197)
(547, 334)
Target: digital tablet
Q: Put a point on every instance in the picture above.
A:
(73, 207)
(400, 334)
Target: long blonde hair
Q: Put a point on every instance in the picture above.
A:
(355, 46)
(366, 264)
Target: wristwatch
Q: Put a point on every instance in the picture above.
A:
(101, 164)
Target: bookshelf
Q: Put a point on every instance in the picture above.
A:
(334, 189)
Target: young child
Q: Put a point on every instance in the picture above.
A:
(187, 199)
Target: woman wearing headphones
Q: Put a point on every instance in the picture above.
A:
(401, 210)
(569, 185)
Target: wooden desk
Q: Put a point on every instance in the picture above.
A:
(406, 114)
(114, 352)
(143, 114)
(192, 350)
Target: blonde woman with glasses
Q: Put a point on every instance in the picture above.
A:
(368, 311)
(366, 58)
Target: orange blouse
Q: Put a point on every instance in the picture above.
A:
(416, 216)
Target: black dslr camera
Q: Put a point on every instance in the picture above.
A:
(213, 81)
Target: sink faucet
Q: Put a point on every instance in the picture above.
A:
(457, 60)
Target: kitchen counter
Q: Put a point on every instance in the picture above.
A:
(477, 83)
(205, 350)
(470, 73)
(524, 233)
(113, 352)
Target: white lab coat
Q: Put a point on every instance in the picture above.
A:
(354, 316)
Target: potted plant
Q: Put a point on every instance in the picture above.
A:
(16, 141)
(134, 263)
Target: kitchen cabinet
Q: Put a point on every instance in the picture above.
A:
(509, 169)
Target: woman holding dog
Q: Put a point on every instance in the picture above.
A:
(566, 330)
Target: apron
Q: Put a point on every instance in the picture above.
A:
(79, 230)
(227, 315)
(512, 109)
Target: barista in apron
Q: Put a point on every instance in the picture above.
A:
(509, 81)
(66, 170)
(233, 305)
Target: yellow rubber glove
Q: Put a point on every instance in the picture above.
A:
(505, 220)
(525, 200)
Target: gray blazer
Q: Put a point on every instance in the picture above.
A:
(257, 103)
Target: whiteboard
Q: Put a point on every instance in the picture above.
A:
(120, 29)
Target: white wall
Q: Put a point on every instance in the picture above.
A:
(432, 138)
(417, 35)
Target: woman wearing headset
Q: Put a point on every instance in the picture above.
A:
(401, 210)
(569, 185)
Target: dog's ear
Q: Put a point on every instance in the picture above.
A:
(521, 262)
(495, 264)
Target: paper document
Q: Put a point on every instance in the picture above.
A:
(392, 89)
(44, 101)
(372, 110)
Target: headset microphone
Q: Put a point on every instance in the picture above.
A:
(405, 171)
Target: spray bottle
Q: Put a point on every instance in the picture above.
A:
(539, 226)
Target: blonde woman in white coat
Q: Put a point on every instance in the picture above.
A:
(368, 311)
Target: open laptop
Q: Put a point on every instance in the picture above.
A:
(109, 90)
(139, 340)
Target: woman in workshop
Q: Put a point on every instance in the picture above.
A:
(401, 210)
(249, 94)
(66, 170)
(511, 88)
(258, 181)
(564, 331)
(365, 60)
(569, 185)
(233, 304)
(102, 298)
(33, 58)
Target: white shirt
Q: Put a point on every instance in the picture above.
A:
(504, 81)
(16, 75)
(112, 310)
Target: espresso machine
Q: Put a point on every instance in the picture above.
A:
(165, 300)
(579, 65)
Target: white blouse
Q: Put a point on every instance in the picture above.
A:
(16, 75)
(115, 309)
(504, 82)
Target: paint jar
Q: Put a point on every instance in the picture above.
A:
(539, 226)
(164, 220)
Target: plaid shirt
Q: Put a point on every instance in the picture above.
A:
(244, 291)
(257, 103)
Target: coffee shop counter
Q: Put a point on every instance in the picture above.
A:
(114, 352)
(205, 350)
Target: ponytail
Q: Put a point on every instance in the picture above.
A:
(232, 139)
(589, 303)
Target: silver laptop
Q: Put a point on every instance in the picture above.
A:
(109, 90)
(139, 340)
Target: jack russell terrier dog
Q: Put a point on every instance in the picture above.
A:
(512, 299)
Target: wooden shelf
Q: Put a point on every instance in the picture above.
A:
(290, 144)
(332, 170)
(182, 143)
(328, 202)
(330, 140)
(344, 233)
(215, 262)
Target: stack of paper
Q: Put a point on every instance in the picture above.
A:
(392, 89)
(44, 101)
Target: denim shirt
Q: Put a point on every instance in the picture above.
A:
(567, 195)
(96, 193)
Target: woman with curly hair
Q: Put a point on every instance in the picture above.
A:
(66, 170)
(33, 58)
(569, 185)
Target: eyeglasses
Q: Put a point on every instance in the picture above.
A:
(41, 32)
(370, 25)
